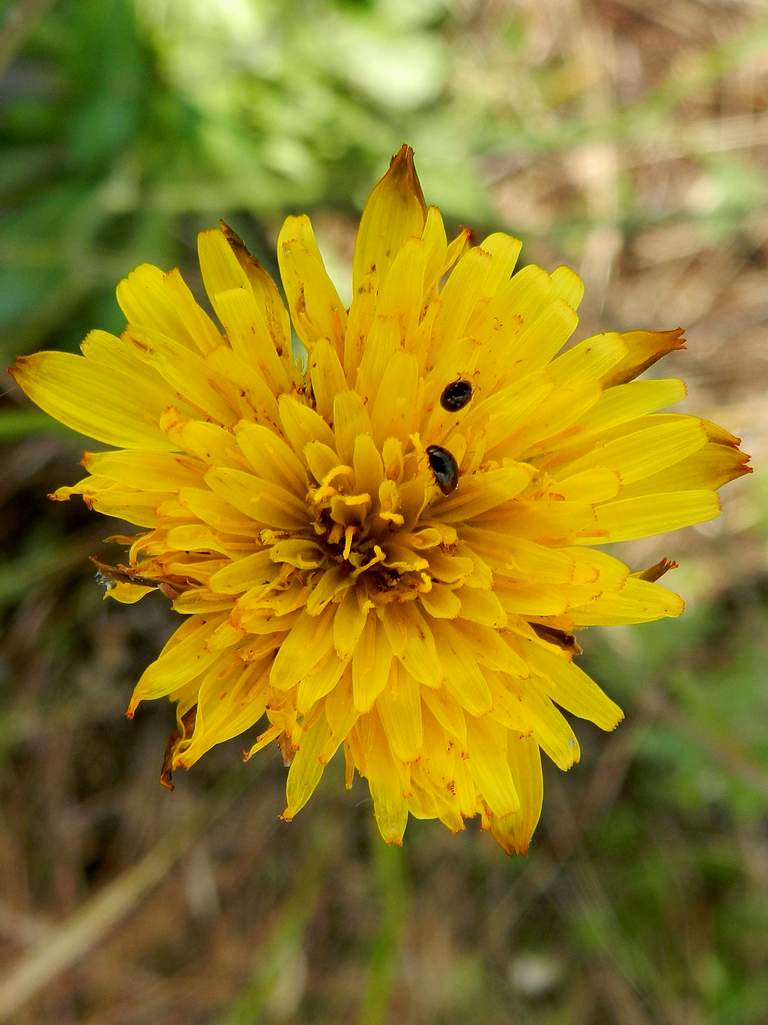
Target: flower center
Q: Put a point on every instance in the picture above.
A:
(371, 530)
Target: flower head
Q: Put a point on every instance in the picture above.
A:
(387, 546)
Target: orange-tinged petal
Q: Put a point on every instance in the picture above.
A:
(644, 348)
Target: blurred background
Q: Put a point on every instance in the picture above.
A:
(628, 138)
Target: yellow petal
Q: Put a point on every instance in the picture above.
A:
(568, 285)
(302, 425)
(394, 211)
(330, 585)
(185, 372)
(381, 343)
(596, 484)
(487, 746)
(514, 831)
(126, 594)
(184, 657)
(327, 376)
(306, 768)
(200, 600)
(270, 457)
(97, 401)
(483, 607)
(367, 463)
(560, 412)
(385, 780)
(544, 337)
(483, 491)
(245, 322)
(318, 682)
(231, 699)
(709, 467)
(519, 301)
(264, 501)
(308, 641)
(299, 552)
(447, 712)
(215, 511)
(412, 641)
(627, 401)
(500, 415)
(163, 302)
(588, 361)
(491, 649)
(243, 574)
(151, 471)
(568, 685)
(395, 409)
(252, 390)
(521, 597)
(399, 707)
(349, 622)
(463, 679)
(436, 249)
(209, 442)
(475, 276)
(316, 310)
(371, 664)
(193, 537)
(267, 296)
(401, 295)
(643, 453)
(350, 422)
(639, 601)
(652, 514)
(361, 317)
(441, 602)
(340, 711)
(551, 729)
(220, 267)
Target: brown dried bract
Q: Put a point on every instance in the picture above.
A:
(658, 570)
(562, 639)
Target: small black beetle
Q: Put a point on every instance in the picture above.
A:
(456, 395)
(444, 467)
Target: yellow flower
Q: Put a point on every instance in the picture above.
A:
(387, 546)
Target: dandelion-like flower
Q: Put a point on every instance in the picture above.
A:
(385, 547)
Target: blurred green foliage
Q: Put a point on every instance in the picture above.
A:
(128, 125)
